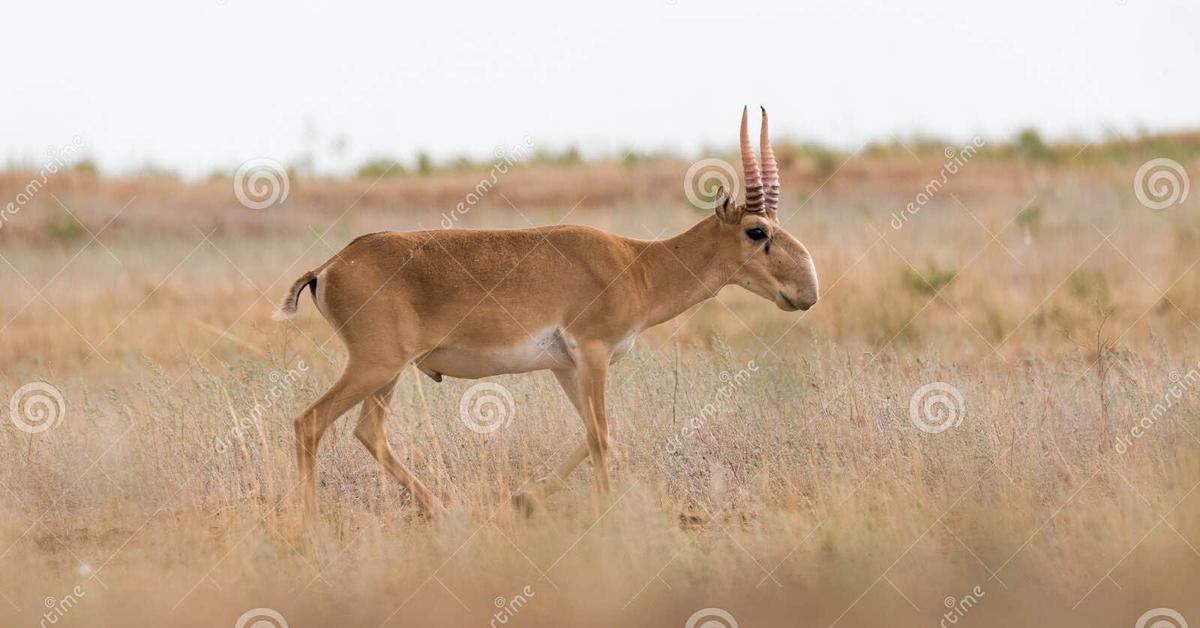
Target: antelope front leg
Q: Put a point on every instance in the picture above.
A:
(593, 378)
(597, 441)
(578, 385)
(527, 500)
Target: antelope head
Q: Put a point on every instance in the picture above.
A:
(767, 260)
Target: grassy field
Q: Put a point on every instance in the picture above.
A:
(786, 469)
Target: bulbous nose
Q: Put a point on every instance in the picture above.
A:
(793, 303)
(806, 295)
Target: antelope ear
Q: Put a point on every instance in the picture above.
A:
(726, 210)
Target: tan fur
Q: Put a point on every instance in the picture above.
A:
(474, 303)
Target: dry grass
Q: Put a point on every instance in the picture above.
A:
(808, 497)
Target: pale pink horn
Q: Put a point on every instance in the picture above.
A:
(770, 172)
(754, 188)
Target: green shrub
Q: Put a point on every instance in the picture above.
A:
(928, 281)
(379, 167)
(1029, 145)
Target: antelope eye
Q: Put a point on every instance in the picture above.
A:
(756, 233)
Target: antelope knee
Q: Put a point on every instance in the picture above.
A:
(599, 443)
(366, 434)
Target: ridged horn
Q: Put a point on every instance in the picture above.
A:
(754, 187)
(770, 171)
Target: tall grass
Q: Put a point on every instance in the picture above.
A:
(799, 491)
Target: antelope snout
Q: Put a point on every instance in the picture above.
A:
(802, 294)
(793, 303)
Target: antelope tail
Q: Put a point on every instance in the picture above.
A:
(292, 299)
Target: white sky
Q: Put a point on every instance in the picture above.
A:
(201, 84)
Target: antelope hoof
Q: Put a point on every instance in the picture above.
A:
(526, 503)
(433, 515)
(432, 508)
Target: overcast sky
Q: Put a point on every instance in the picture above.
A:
(198, 84)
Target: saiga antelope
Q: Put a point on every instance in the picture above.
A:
(472, 303)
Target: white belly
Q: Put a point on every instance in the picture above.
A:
(547, 349)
